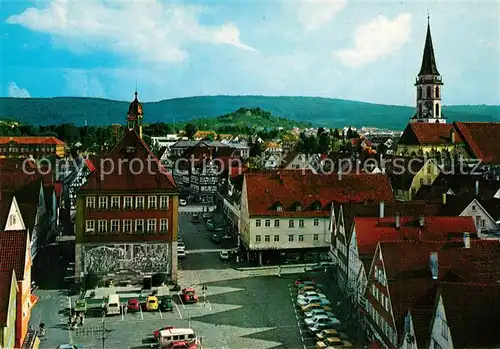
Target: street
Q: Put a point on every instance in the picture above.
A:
(247, 309)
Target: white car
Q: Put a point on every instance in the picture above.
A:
(319, 311)
(182, 202)
(310, 294)
(308, 300)
(224, 255)
(322, 319)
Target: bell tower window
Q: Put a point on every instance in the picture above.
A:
(437, 111)
(419, 109)
(429, 92)
(437, 92)
(419, 93)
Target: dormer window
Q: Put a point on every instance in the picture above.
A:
(279, 208)
(298, 208)
(130, 150)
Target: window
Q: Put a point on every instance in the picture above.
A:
(257, 223)
(127, 203)
(152, 225)
(298, 208)
(474, 208)
(483, 223)
(267, 223)
(152, 202)
(267, 238)
(316, 222)
(429, 92)
(139, 225)
(290, 238)
(279, 208)
(301, 223)
(139, 202)
(276, 223)
(103, 202)
(437, 92)
(102, 226)
(114, 225)
(316, 237)
(420, 109)
(444, 328)
(127, 226)
(437, 110)
(257, 238)
(12, 219)
(290, 223)
(301, 238)
(90, 202)
(89, 226)
(419, 93)
(115, 202)
(164, 202)
(163, 225)
(421, 181)
(276, 238)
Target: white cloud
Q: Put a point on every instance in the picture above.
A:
(376, 39)
(80, 83)
(149, 30)
(313, 14)
(16, 91)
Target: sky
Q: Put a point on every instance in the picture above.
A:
(365, 51)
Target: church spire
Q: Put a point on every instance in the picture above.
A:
(134, 116)
(428, 60)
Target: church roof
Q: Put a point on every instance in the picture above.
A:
(428, 60)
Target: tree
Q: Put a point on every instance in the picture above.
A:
(190, 130)
(349, 134)
(336, 134)
(255, 149)
(324, 143)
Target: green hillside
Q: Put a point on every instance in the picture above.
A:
(325, 112)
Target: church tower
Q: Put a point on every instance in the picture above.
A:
(429, 86)
(134, 116)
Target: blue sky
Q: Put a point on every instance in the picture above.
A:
(367, 51)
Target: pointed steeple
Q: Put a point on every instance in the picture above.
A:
(428, 60)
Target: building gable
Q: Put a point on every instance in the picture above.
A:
(14, 218)
(440, 332)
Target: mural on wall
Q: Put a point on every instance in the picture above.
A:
(132, 258)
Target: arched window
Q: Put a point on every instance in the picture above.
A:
(437, 92)
(437, 111)
(429, 92)
(419, 93)
(420, 109)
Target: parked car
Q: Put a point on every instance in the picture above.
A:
(182, 202)
(183, 345)
(224, 255)
(166, 303)
(310, 294)
(321, 319)
(133, 305)
(330, 332)
(195, 219)
(210, 226)
(333, 343)
(318, 311)
(312, 306)
(309, 288)
(219, 231)
(81, 306)
(69, 346)
(312, 299)
(152, 303)
(189, 295)
(156, 333)
(302, 279)
(216, 238)
(206, 216)
(308, 283)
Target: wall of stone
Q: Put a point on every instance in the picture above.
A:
(133, 259)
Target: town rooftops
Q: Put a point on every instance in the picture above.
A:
(13, 251)
(371, 230)
(471, 314)
(130, 166)
(479, 137)
(32, 140)
(419, 133)
(304, 194)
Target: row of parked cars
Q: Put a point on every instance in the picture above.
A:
(319, 318)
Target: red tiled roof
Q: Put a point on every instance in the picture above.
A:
(14, 176)
(5, 286)
(31, 140)
(120, 169)
(480, 136)
(370, 230)
(471, 312)
(266, 189)
(90, 165)
(13, 251)
(423, 133)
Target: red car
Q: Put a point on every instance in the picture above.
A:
(304, 278)
(183, 345)
(156, 333)
(189, 295)
(133, 305)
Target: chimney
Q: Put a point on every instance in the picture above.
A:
(433, 263)
(421, 221)
(452, 135)
(381, 209)
(466, 240)
(477, 187)
(397, 221)
(444, 198)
